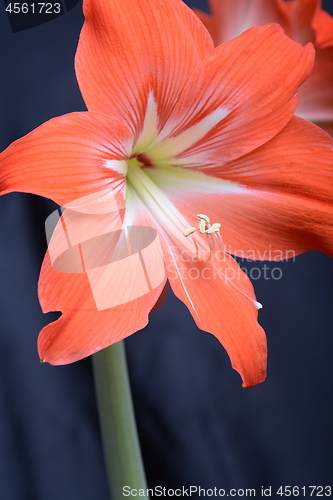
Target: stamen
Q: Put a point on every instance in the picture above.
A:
(219, 242)
(212, 231)
(214, 228)
(203, 217)
(211, 245)
(196, 247)
(202, 226)
(189, 231)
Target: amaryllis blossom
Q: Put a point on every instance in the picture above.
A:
(195, 144)
(304, 21)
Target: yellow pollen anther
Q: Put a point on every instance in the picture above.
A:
(202, 227)
(204, 218)
(189, 231)
(214, 228)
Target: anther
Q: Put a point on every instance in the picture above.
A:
(204, 218)
(214, 228)
(257, 305)
(202, 226)
(189, 231)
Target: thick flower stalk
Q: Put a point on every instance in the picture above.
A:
(188, 154)
(304, 21)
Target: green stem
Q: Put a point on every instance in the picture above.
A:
(119, 434)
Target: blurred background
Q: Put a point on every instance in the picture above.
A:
(197, 425)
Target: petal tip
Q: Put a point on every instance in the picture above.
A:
(247, 384)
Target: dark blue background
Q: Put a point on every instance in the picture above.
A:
(197, 425)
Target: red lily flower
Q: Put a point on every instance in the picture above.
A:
(175, 130)
(304, 21)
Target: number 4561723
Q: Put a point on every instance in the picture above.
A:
(312, 491)
(38, 8)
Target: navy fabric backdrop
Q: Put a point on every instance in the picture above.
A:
(197, 425)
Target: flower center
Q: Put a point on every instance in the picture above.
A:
(162, 210)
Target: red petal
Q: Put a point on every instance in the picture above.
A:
(300, 14)
(130, 48)
(216, 293)
(316, 94)
(104, 292)
(285, 207)
(323, 27)
(67, 158)
(230, 19)
(212, 26)
(303, 21)
(253, 79)
(309, 22)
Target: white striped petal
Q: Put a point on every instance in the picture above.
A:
(150, 130)
(173, 179)
(173, 146)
